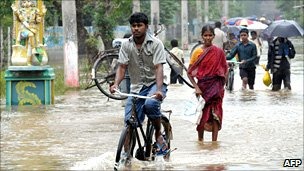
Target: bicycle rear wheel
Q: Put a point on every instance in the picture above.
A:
(125, 147)
(103, 73)
(180, 63)
(197, 45)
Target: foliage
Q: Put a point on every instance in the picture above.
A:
(59, 85)
(2, 84)
(105, 15)
(6, 13)
(236, 8)
(53, 14)
(291, 13)
(168, 10)
(214, 11)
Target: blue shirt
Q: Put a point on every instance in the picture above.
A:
(246, 52)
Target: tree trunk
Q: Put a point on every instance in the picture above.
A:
(136, 6)
(185, 35)
(81, 31)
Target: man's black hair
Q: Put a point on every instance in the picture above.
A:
(174, 43)
(138, 17)
(218, 24)
(244, 30)
(253, 32)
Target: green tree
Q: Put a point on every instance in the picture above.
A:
(6, 13)
(236, 8)
(168, 10)
(291, 13)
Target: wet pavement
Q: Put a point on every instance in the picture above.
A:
(260, 130)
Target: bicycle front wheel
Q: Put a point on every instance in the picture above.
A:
(125, 147)
(230, 80)
(103, 73)
(166, 131)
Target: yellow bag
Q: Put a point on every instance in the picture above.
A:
(267, 79)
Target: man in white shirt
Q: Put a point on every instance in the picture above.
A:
(176, 68)
(220, 36)
(258, 43)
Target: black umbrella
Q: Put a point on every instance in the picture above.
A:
(283, 28)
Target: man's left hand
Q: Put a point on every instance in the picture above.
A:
(158, 95)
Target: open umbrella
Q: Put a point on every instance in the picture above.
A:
(231, 21)
(257, 26)
(283, 28)
(232, 29)
(243, 22)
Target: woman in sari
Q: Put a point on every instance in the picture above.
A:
(208, 65)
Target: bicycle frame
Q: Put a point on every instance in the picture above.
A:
(230, 79)
(144, 150)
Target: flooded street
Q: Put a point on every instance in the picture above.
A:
(81, 131)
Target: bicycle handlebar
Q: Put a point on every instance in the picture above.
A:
(234, 62)
(134, 95)
(162, 28)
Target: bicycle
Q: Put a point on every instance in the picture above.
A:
(230, 78)
(104, 70)
(130, 137)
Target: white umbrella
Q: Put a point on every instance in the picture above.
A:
(257, 26)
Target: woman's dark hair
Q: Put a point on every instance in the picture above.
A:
(138, 17)
(207, 28)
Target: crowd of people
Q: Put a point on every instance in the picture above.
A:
(143, 56)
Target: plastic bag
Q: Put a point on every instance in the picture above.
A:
(267, 78)
(194, 105)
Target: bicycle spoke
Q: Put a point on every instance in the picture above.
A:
(104, 74)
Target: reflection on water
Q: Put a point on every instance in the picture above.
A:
(261, 128)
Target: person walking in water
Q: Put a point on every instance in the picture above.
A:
(247, 54)
(176, 68)
(208, 65)
(280, 51)
(220, 36)
(259, 45)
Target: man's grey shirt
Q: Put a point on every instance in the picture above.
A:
(141, 61)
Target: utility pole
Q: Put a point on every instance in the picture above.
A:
(199, 17)
(154, 14)
(71, 76)
(136, 6)
(226, 8)
(206, 10)
(9, 46)
(185, 35)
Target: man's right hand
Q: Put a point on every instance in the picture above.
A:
(113, 87)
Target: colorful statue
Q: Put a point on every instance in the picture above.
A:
(29, 48)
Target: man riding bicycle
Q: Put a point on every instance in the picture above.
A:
(143, 56)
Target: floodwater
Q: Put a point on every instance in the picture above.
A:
(80, 132)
